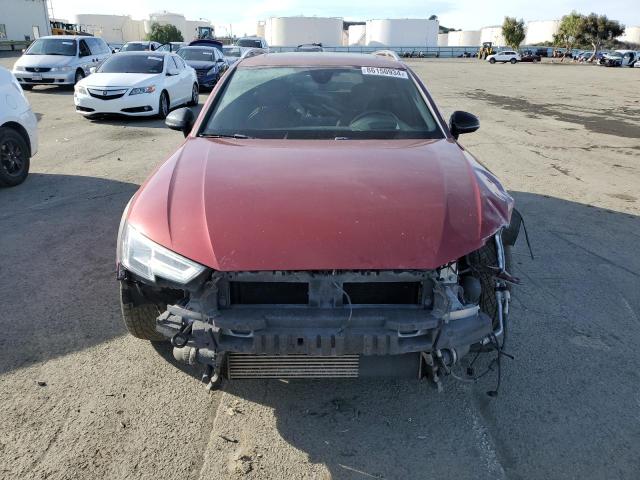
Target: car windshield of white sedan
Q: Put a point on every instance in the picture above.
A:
(53, 46)
(135, 47)
(321, 103)
(232, 51)
(121, 63)
(203, 54)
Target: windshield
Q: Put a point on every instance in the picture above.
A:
(201, 54)
(135, 47)
(231, 51)
(53, 46)
(321, 103)
(247, 42)
(133, 64)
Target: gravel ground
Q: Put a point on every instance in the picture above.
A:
(81, 399)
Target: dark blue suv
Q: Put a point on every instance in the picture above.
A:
(208, 62)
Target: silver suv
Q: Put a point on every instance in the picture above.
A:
(59, 60)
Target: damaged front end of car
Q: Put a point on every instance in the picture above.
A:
(310, 324)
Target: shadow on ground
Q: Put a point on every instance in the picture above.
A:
(58, 242)
(570, 396)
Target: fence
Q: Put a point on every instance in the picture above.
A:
(439, 52)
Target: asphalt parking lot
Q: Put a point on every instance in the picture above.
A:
(81, 399)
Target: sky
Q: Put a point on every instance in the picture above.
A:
(242, 15)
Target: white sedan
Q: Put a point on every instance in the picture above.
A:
(18, 131)
(137, 84)
(504, 57)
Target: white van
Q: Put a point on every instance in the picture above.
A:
(59, 60)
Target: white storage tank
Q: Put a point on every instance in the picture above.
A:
(541, 31)
(357, 35)
(402, 32)
(294, 31)
(112, 28)
(492, 34)
(631, 35)
(464, 38)
(443, 39)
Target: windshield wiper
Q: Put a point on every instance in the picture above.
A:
(218, 135)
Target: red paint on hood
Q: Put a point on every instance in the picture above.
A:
(320, 205)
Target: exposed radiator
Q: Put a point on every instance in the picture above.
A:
(291, 366)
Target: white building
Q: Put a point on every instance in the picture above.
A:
(494, 35)
(22, 20)
(541, 31)
(402, 32)
(631, 35)
(112, 28)
(443, 39)
(294, 31)
(464, 38)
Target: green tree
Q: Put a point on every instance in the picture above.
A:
(569, 32)
(513, 31)
(598, 29)
(164, 33)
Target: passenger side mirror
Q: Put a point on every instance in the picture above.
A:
(463, 122)
(172, 71)
(181, 119)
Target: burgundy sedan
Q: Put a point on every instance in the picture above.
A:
(320, 220)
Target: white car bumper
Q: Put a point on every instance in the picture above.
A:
(45, 78)
(29, 122)
(144, 104)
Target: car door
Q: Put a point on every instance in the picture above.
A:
(85, 56)
(186, 79)
(173, 81)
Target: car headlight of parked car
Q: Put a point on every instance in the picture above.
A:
(80, 89)
(138, 91)
(18, 68)
(140, 255)
(61, 69)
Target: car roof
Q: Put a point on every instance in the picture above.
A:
(321, 59)
(65, 37)
(146, 52)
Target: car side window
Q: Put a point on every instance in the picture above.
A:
(84, 49)
(176, 62)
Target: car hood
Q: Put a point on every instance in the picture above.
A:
(44, 61)
(319, 205)
(200, 64)
(119, 79)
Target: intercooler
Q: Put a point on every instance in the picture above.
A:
(291, 366)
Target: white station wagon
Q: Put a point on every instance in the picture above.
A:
(504, 57)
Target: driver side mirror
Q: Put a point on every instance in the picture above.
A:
(463, 122)
(181, 119)
(92, 70)
(172, 72)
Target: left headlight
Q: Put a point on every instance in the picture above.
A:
(80, 89)
(145, 258)
(138, 91)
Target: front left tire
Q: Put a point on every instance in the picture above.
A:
(163, 105)
(14, 158)
(195, 95)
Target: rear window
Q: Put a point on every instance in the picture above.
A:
(135, 47)
(133, 64)
(321, 103)
(247, 42)
(232, 51)
(53, 46)
(202, 54)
